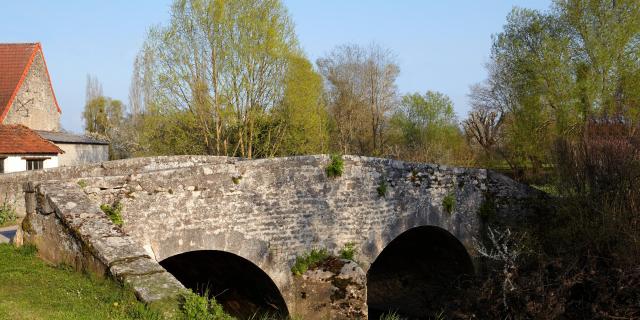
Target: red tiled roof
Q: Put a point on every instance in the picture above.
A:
(15, 62)
(18, 139)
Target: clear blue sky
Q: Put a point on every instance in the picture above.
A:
(440, 45)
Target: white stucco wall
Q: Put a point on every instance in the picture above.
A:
(18, 163)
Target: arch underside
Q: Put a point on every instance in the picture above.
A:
(417, 273)
(241, 287)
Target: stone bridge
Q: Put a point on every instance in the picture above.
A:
(235, 228)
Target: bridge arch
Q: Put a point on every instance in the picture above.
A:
(241, 287)
(414, 273)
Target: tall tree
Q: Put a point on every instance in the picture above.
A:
(425, 128)
(223, 65)
(362, 93)
(553, 72)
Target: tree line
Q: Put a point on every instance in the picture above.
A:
(229, 78)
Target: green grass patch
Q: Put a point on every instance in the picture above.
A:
(382, 188)
(551, 189)
(196, 307)
(449, 203)
(309, 260)
(82, 183)
(114, 212)
(335, 167)
(348, 251)
(31, 289)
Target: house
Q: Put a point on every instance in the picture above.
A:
(23, 149)
(28, 106)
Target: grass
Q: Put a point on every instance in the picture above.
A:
(7, 215)
(309, 260)
(114, 212)
(382, 188)
(31, 289)
(196, 307)
(348, 251)
(335, 167)
(449, 203)
(390, 316)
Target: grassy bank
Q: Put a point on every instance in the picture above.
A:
(31, 289)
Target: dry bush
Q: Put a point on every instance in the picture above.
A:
(599, 182)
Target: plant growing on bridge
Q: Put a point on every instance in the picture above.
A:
(114, 212)
(348, 251)
(382, 188)
(309, 260)
(336, 166)
(7, 213)
(449, 203)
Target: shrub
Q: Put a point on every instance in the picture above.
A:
(236, 179)
(82, 184)
(114, 213)
(7, 213)
(336, 166)
(309, 260)
(382, 188)
(196, 307)
(449, 203)
(598, 181)
(348, 251)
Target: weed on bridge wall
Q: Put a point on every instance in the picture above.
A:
(449, 203)
(309, 260)
(335, 167)
(114, 212)
(382, 188)
(349, 251)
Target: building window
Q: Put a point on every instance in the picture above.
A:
(35, 164)
(2, 165)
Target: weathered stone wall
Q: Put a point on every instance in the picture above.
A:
(11, 183)
(269, 211)
(68, 228)
(34, 105)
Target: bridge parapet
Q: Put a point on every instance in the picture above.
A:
(68, 228)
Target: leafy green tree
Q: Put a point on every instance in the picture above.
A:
(551, 73)
(302, 112)
(425, 129)
(224, 68)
